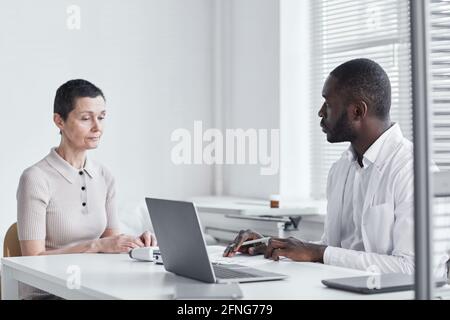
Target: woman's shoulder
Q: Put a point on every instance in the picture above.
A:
(104, 173)
(35, 170)
(101, 169)
(35, 174)
(38, 169)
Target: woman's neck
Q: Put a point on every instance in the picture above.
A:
(76, 158)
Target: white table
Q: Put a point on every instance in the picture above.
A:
(116, 276)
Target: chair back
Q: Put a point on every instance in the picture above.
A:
(11, 244)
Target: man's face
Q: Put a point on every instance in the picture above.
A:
(335, 120)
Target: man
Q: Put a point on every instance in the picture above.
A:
(369, 219)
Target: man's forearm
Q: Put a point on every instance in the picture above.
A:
(367, 260)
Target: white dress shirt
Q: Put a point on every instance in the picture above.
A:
(354, 194)
(370, 210)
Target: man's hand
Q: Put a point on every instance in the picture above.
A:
(294, 249)
(236, 245)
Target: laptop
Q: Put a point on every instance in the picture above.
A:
(390, 282)
(183, 247)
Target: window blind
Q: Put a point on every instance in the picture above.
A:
(347, 29)
(440, 81)
(440, 116)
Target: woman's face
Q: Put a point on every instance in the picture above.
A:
(83, 127)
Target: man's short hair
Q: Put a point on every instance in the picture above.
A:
(364, 79)
(67, 94)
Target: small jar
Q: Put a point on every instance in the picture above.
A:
(275, 201)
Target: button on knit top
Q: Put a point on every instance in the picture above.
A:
(63, 205)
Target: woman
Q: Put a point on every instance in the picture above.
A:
(66, 201)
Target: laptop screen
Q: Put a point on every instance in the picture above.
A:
(180, 238)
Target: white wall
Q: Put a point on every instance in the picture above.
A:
(265, 83)
(151, 58)
(252, 86)
(295, 102)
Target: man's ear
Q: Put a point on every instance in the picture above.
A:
(359, 110)
(58, 120)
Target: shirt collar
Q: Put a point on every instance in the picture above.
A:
(90, 168)
(66, 169)
(371, 154)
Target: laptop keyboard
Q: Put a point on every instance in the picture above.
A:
(223, 272)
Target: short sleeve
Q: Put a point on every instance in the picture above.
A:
(32, 200)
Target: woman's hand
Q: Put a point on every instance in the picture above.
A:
(148, 239)
(119, 243)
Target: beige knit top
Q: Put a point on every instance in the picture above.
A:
(63, 205)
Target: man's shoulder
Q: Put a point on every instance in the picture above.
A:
(402, 154)
(399, 155)
(406, 146)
